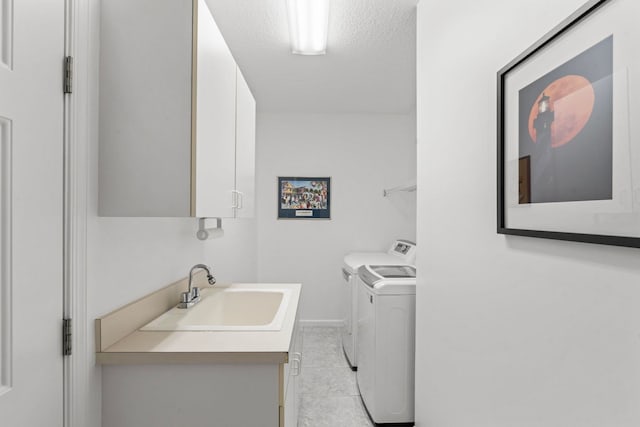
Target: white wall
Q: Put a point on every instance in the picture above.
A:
(131, 257)
(511, 331)
(362, 154)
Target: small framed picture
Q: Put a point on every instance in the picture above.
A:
(304, 197)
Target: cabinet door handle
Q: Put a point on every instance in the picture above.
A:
(296, 362)
(240, 199)
(234, 199)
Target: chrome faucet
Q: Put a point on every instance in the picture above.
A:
(192, 296)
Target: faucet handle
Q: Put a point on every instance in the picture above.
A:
(185, 297)
(195, 293)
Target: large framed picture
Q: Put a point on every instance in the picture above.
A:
(304, 197)
(568, 147)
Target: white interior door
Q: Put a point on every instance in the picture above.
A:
(31, 191)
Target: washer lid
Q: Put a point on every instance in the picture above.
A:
(389, 279)
(355, 260)
(394, 271)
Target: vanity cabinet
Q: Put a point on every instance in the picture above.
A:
(177, 119)
(227, 378)
(230, 394)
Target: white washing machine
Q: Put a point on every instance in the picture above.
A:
(386, 342)
(401, 252)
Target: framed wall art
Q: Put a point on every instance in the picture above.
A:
(568, 147)
(304, 197)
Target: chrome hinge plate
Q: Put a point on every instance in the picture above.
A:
(66, 337)
(68, 74)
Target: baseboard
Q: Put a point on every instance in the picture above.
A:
(321, 323)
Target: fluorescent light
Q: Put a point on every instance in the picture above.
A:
(308, 24)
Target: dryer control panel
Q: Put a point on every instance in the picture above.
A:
(404, 249)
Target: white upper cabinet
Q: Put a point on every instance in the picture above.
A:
(170, 113)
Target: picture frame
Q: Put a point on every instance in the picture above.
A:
(304, 197)
(568, 155)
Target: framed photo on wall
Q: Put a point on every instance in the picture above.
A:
(304, 197)
(568, 166)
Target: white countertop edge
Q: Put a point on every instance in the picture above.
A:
(188, 347)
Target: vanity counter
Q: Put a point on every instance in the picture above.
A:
(120, 340)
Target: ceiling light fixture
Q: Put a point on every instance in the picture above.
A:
(308, 25)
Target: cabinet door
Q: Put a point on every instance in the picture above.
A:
(213, 126)
(245, 149)
(290, 374)
(291, 380)
(145, 108)
(290, 410)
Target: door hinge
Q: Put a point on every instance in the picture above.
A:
(66, 337)
(68, 74)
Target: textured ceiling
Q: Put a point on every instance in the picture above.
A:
(369, 66)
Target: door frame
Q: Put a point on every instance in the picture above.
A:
(81, 35)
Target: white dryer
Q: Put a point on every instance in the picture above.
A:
(386, 342)
(401, 252)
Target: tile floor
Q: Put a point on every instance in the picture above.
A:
(327, 387)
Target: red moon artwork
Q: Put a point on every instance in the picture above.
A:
(572, 99)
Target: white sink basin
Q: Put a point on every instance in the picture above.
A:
(228, 309)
